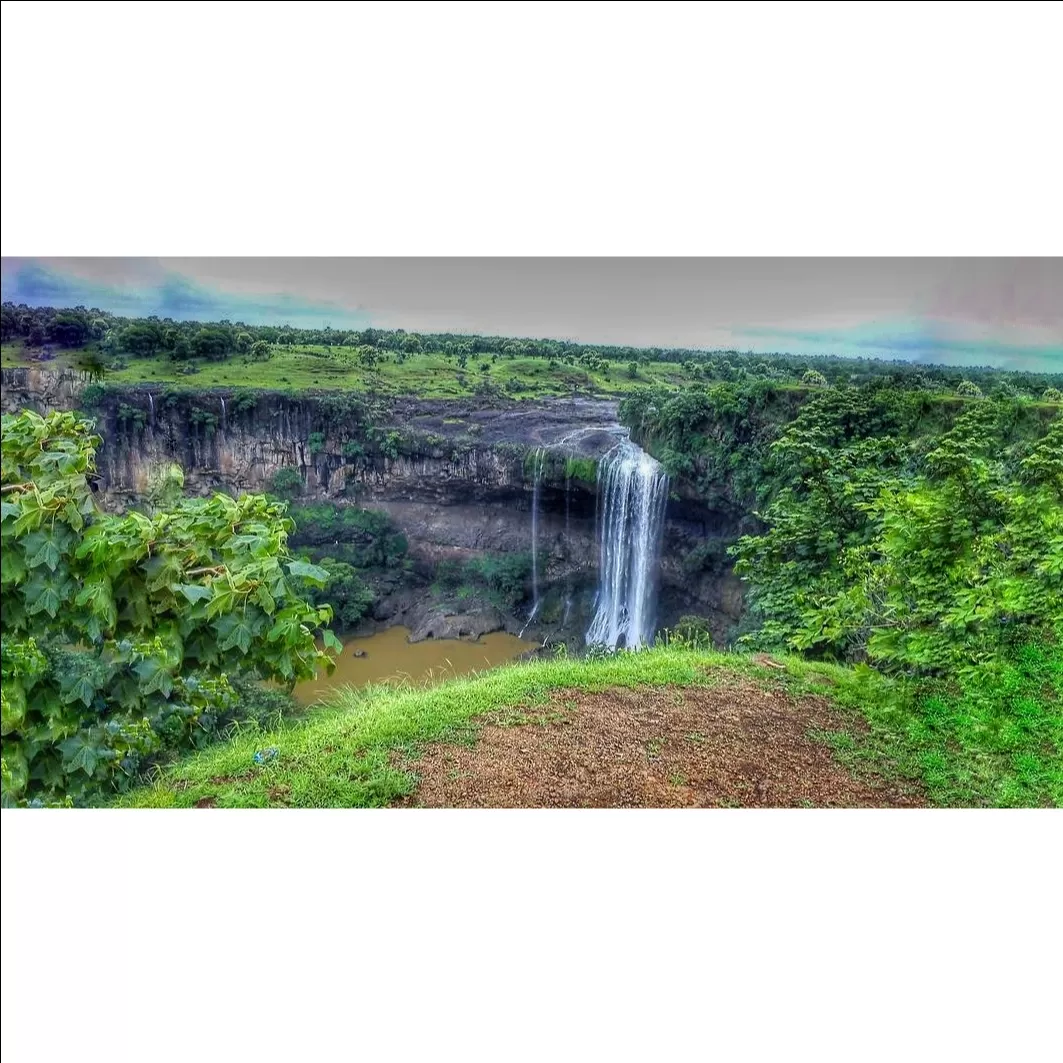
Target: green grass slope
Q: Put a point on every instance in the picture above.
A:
(429, 375)
(963, 753)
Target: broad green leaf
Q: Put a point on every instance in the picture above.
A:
(194, 592)
(13, 703)
(41, 549)
(234, 630)
(304, 570)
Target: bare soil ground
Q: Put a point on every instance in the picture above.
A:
(735, 745)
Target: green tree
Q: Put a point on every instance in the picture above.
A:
(69, 330)
(213, 343)
(814, 379)
(165, 606)
(969, 389)
(141, 340)
(928, 563)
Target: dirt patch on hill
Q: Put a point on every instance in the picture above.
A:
(700, 747)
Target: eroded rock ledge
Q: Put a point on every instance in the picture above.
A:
(456, 477)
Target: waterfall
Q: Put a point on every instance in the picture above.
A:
(632, 493)
(224, 420)
(538, 460)
(568, 559)
(151, 410)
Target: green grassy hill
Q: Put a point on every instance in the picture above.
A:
(364, 748)
(430, 375)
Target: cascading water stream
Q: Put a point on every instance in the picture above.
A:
(632, 494)
(568, 578)
(538, 460)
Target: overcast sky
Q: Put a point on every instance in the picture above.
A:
(1005, 312)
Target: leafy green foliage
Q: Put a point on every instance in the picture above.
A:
(690, 631)
(286, 483)
(348, 543)
(995, 738)
(717, 437)
(500, 578)
(364, 538)
(165, 605)
(932, 554)
(350, 599)
(506, 575)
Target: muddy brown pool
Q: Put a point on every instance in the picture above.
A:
(388, 655)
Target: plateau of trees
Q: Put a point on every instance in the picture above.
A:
(115, 336)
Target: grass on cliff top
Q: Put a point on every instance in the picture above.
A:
(429, 375)
(982, 750)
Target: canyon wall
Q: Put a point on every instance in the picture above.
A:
(456, 476)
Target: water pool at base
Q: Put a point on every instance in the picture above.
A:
(388, 655)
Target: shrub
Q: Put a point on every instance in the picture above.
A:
(92, 395)
(286, 483)
(505, 574)
(166, 606)
(349, 597)
(364, 538)
(691, 631)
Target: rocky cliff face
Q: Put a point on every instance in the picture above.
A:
(41, 389)
(457, 477)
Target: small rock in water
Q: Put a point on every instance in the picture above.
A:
(360, 653)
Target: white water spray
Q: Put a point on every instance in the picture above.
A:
(224, 419)
(539, 459)
(151, 408)
(632, 492)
